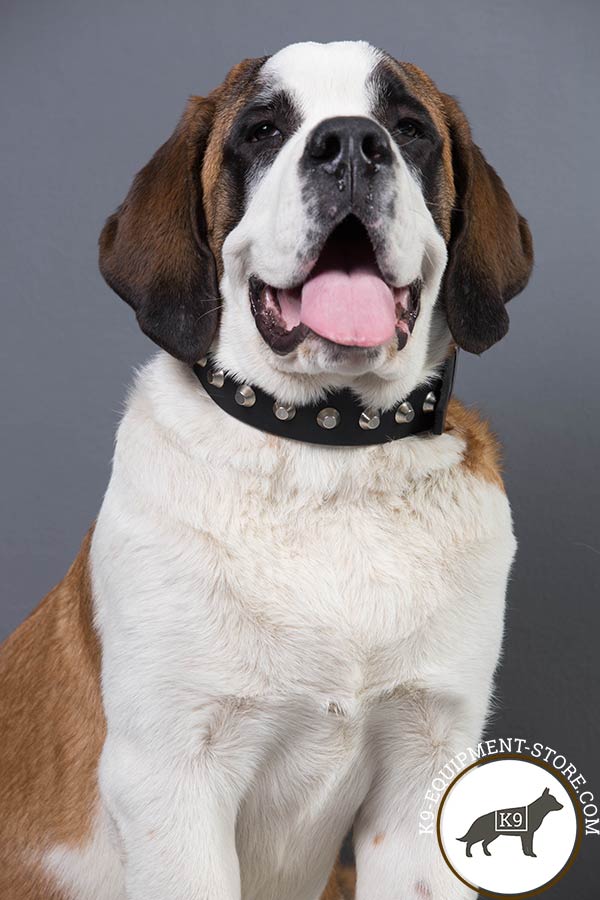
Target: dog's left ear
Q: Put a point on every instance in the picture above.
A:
(154, 251)
(490, 254)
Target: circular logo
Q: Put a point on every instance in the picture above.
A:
(509, 826)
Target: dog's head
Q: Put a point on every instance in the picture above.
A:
(549, 801)
(322, 218)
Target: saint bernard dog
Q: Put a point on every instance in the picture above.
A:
(266, 644)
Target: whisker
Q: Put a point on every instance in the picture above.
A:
(210, 311)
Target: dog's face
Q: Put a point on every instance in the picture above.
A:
(321, 219)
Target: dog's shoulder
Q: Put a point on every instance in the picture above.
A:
(482, 455)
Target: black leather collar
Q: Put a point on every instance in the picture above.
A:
(339, 419)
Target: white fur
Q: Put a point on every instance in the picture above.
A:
(294, 637)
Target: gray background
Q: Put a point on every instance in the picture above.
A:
(90, 89)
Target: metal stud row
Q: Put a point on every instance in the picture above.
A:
(328, 417)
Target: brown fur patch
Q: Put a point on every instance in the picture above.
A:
(378, 839)
(341, 884)
(51, 732)
(483, 453)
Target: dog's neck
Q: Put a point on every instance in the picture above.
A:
(174, 442)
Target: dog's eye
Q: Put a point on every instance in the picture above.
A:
(263, 131)
(407, 130)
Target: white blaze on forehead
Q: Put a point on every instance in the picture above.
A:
(325, 79)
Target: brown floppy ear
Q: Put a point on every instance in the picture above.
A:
(153, 249)
(490, 254)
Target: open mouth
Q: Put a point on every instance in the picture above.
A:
(345, 299)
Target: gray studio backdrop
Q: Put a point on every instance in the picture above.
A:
(90, 89)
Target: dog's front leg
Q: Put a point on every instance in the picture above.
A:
(175, 824)
(416, 735)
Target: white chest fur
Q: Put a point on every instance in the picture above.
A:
(259, 602)
(270, 569)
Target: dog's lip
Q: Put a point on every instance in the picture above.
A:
(270, 323)
(278, 312)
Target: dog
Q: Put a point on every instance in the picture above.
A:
(264, 642)
(520, 822)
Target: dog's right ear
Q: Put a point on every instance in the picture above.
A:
(154, 251)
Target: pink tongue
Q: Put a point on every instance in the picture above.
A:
(348, 302)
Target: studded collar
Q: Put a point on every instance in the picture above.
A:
(338, 420)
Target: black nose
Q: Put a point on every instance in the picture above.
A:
(348, 145)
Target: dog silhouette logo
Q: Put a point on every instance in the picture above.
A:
(517, 821)
(483, 803)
